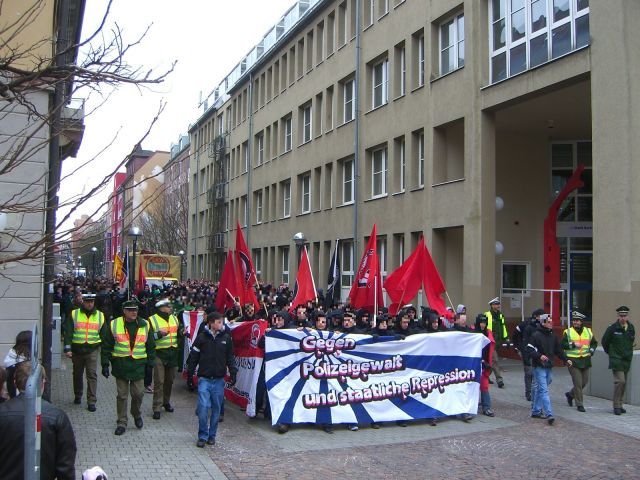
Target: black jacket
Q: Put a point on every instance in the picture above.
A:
(58, 442)
(544, 342)
(214, 354)
(521, 336)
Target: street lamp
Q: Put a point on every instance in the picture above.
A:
(299, 239)
(181, 253)
(134, 232)
(93, 262)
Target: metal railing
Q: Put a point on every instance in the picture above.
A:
(564, 297)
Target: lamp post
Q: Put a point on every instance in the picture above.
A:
(299, 239)
(93, 262)
(134, 232)
(181, 253)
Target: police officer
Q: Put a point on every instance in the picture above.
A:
(618, 342)
(128, 344)
(81, 331)
(579, 345)
(498, 327)
(167, 332)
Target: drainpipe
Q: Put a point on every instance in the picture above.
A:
(250, 162)
(356, 135)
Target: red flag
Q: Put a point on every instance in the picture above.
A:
(305, 288)
(228, 286)
(246, 274)
(366, 291)
(416, 271)
(142, 280)
(433, 284)
(405, 282)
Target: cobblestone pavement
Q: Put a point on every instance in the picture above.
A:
(594, 445)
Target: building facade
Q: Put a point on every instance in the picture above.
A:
(458, 120)
(35, 136)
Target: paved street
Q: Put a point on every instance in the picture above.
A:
(595, 445)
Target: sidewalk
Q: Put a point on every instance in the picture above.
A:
(164, 448)
(250, 448)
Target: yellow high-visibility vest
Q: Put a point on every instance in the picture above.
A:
(170, 325)
(87, 329)
(489, 315)
(122, 347)
(582, 341)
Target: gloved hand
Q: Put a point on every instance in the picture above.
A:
(159, 334)
(105, 371)
(190, 384)
(573, 345)
(233, 379)
(399, 336)
(375, 337)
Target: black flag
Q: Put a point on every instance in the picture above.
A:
(332, 296)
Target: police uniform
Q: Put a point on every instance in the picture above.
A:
(128, 345)
(81, 332)
(167, 331)
(498, 328)
(579, 345)
(618, 342)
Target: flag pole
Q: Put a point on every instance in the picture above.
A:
(313, 282)
(449, 298)
(375, 301)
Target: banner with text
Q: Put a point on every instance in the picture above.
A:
(330, 378)
(248, 358)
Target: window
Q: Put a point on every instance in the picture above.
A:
(368, 12)
(421, 61)
(258, 202)
(245, 157)
(245, 210)
(565, 158)
(305, 188)
(380, 84)
(257, 262)
(379, 172)
(260, 146)
(400, 79)
(285, 264)
(306, 124)
(526, 33)
(347, 181)
(286, 199)
(227, 216)
(349, 104)
(346, 260)
(516, 276)
(400, 163)
(288, 134)
(382, 256)
(383, 7)
(421, 159)
(452, 44)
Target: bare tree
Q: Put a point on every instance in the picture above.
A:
(165, 222)
(30, 69)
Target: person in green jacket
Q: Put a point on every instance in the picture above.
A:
(81, 332)
(618, 341)
(128, 344)
(167, 332)
(578, 344)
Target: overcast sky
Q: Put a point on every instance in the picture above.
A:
(207, 38)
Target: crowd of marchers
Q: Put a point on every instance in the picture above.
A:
(138, 339)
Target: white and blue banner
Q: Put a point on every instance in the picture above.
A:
(330, 377)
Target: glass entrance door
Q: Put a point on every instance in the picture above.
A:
(581, 282)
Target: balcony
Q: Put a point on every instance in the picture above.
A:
(71, 128)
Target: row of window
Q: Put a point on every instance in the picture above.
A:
(523, 34)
